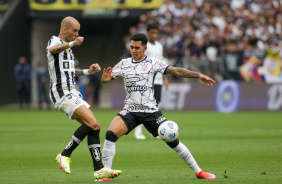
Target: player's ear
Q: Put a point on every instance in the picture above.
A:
(145, 48)
(64, 29)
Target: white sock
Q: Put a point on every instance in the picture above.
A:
(138, 129)
(108, 153)
(183, 152)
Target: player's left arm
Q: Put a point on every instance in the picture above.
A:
(182, 72)
(94, 68)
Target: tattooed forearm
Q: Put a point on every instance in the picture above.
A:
(78, 72)
(171, 70)
(182, 72)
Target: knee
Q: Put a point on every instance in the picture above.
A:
(98, 126)
(111, 136)
(95, 125)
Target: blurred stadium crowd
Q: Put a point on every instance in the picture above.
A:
(224, 39)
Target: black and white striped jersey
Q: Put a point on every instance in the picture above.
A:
(61, 70)
(139, 82)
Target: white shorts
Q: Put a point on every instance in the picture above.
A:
(70, 102)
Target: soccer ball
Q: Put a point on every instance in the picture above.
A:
(168, 131)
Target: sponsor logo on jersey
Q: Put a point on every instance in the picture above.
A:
(131, 85)
(134, 79)
(136, 88)
(66, 65)
(139, 107)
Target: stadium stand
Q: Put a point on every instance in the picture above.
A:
(218, 37)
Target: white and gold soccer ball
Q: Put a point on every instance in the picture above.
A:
(168, 131)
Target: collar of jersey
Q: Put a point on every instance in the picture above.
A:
(60, 39)
(133, 61)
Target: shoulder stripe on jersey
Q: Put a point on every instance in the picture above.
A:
(73, 77)
(68, 79)
(50, 41)
(71, 54)
(52, 94)
(65, 55)
(58, 75)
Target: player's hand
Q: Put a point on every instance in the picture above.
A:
(107, 75)
(206, 79)
(78, 41)
(94, 68)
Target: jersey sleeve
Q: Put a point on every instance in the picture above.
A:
(159, 66)
(53, 41)
(117, 70)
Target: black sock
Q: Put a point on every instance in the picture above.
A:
(76, 139)
(95, 149)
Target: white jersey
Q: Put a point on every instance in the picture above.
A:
(155, 51)
(138, 81)
(61, 70)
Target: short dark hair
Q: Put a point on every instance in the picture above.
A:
(152, 26)
(140, 37)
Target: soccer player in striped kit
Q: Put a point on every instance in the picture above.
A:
(67, 99)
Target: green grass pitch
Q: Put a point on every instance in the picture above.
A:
(245, 145)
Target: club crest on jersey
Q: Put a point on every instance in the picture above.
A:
(144, 67)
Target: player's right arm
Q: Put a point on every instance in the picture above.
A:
(63, 46)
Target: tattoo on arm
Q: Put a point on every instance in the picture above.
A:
(171, 70)
(78, 72)
(182, 72)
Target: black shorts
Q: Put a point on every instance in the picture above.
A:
(158, 93)
(151, 121)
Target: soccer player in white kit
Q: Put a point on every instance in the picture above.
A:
(140, 104)
(67, 99)
(154, 50)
